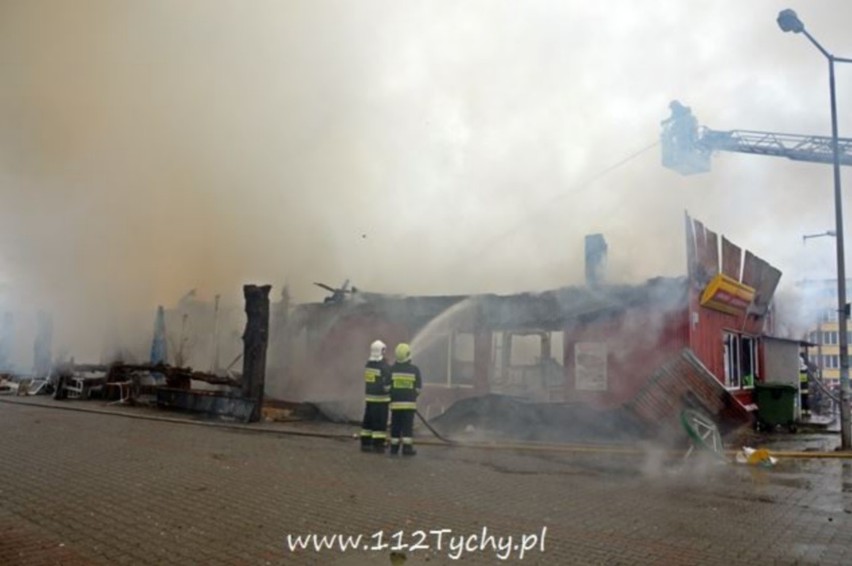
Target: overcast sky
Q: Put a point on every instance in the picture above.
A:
(150, 147)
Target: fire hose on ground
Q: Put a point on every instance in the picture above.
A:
(432, 429)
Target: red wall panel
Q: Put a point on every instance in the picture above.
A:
(707, 331)
(638, 341)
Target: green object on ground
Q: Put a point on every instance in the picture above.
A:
(703, 433)
(776, 403)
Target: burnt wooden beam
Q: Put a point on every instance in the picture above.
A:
(255, 340)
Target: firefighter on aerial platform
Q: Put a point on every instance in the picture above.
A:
(682, 125)
(374, 429)
(405, 387)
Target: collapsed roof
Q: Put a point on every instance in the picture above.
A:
(547, 310)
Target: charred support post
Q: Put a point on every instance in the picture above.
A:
(255, 339)
(481, 360)
(483, 343)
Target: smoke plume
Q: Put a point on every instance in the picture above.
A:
(147, 148)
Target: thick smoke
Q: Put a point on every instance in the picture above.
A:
(150, 148)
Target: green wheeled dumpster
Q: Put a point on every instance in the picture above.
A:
(776, 405)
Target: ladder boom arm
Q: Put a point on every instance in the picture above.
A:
(687, 148)
(816, 149)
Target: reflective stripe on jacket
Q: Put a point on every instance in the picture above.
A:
(377, 382)
(405, 386)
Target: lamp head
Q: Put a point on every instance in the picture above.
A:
(789, 21)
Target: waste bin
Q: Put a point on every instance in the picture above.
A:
(776, 404)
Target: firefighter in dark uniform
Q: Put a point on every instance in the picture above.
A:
(804, 391)
(374, 429)
(405, 387)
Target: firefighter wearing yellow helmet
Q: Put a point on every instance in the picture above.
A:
(405, 387)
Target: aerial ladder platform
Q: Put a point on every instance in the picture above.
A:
(688, 147)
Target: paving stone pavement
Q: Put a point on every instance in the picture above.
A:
(84, 488)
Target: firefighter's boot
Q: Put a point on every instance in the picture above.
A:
(394, 447)
(408, 450)
(366, 441)
(379, 445)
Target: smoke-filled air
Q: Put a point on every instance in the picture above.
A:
(150, 148)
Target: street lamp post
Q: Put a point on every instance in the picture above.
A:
(789, 21)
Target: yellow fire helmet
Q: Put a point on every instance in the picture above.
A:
(403, 352)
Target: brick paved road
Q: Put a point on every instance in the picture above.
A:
(83, 488)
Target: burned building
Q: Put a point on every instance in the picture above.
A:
(601, 345)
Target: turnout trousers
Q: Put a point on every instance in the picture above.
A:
(805, 400)
(402, 429)
(374, 428)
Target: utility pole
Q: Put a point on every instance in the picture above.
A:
(788, 21)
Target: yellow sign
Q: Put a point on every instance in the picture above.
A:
(727, 295)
